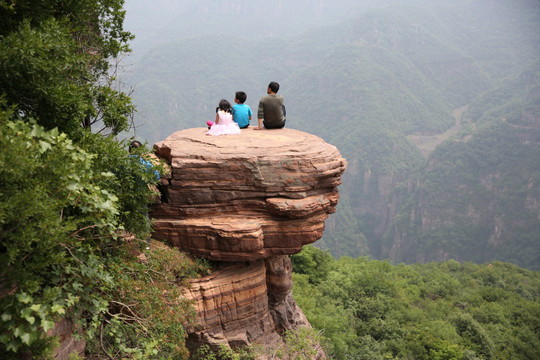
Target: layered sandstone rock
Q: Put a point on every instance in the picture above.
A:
(247, 201)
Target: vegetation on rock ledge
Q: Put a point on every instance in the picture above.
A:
(70, 192)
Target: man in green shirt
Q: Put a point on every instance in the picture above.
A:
(271, 111)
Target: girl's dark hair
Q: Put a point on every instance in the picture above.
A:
(225, 106)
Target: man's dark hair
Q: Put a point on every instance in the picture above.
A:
(241, 96)
(274, 86)
(134, 144)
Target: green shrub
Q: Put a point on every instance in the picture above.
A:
(53, 217)
(63, 249)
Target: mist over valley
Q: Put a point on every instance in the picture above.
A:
(435, 105)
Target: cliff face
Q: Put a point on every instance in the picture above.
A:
(246, 201)
(475, 199)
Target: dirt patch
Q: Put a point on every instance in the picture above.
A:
(428, 143)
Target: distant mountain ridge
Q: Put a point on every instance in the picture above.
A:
(367, 85)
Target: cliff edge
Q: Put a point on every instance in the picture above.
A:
(246, 201)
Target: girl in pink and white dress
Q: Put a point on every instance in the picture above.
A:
(224, 124)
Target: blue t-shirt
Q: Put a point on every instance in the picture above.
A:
(148, 165)
(241, 114)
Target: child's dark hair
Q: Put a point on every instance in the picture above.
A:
(241, 96)
(225, 106)
(274, 86)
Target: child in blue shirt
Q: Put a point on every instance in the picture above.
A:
(241, 112)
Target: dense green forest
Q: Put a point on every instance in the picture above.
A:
(370, 309)
(435, 104)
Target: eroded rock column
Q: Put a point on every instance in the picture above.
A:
(249, 201)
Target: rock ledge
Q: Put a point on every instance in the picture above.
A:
(249, 196)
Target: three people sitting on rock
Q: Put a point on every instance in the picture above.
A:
(270, 113)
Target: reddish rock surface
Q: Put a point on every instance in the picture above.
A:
(249, 196)
(247, 201)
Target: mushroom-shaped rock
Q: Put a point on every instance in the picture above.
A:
(246, 197)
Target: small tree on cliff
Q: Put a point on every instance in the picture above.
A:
(54, 62)
(55, 58)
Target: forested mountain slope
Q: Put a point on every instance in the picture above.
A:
(370, 309)
(434, 104)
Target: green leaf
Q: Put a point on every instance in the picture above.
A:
(12, 346)
(44, 145)
(24, 298)
(73, 186)
(4, 338)
(28, 338)
(26, 312)
(58, 309)
(107, 174)
(47, 325)
(37, 131)
(19, 331)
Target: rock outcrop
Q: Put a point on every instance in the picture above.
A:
(246, 201)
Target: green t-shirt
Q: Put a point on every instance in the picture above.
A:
(271, 111)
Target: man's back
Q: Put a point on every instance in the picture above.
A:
(271, 111)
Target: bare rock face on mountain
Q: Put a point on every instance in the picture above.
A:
(246, 201)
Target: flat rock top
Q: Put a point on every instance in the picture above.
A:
(263, 144)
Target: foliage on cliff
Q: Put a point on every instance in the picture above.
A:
(55, 62)
(147, 313)
(70, 191)
(370, 309)
(64, 253)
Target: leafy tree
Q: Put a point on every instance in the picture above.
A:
(312, 261)
(54, 215)
(69, 195)
(55, 58)
(64, 253)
